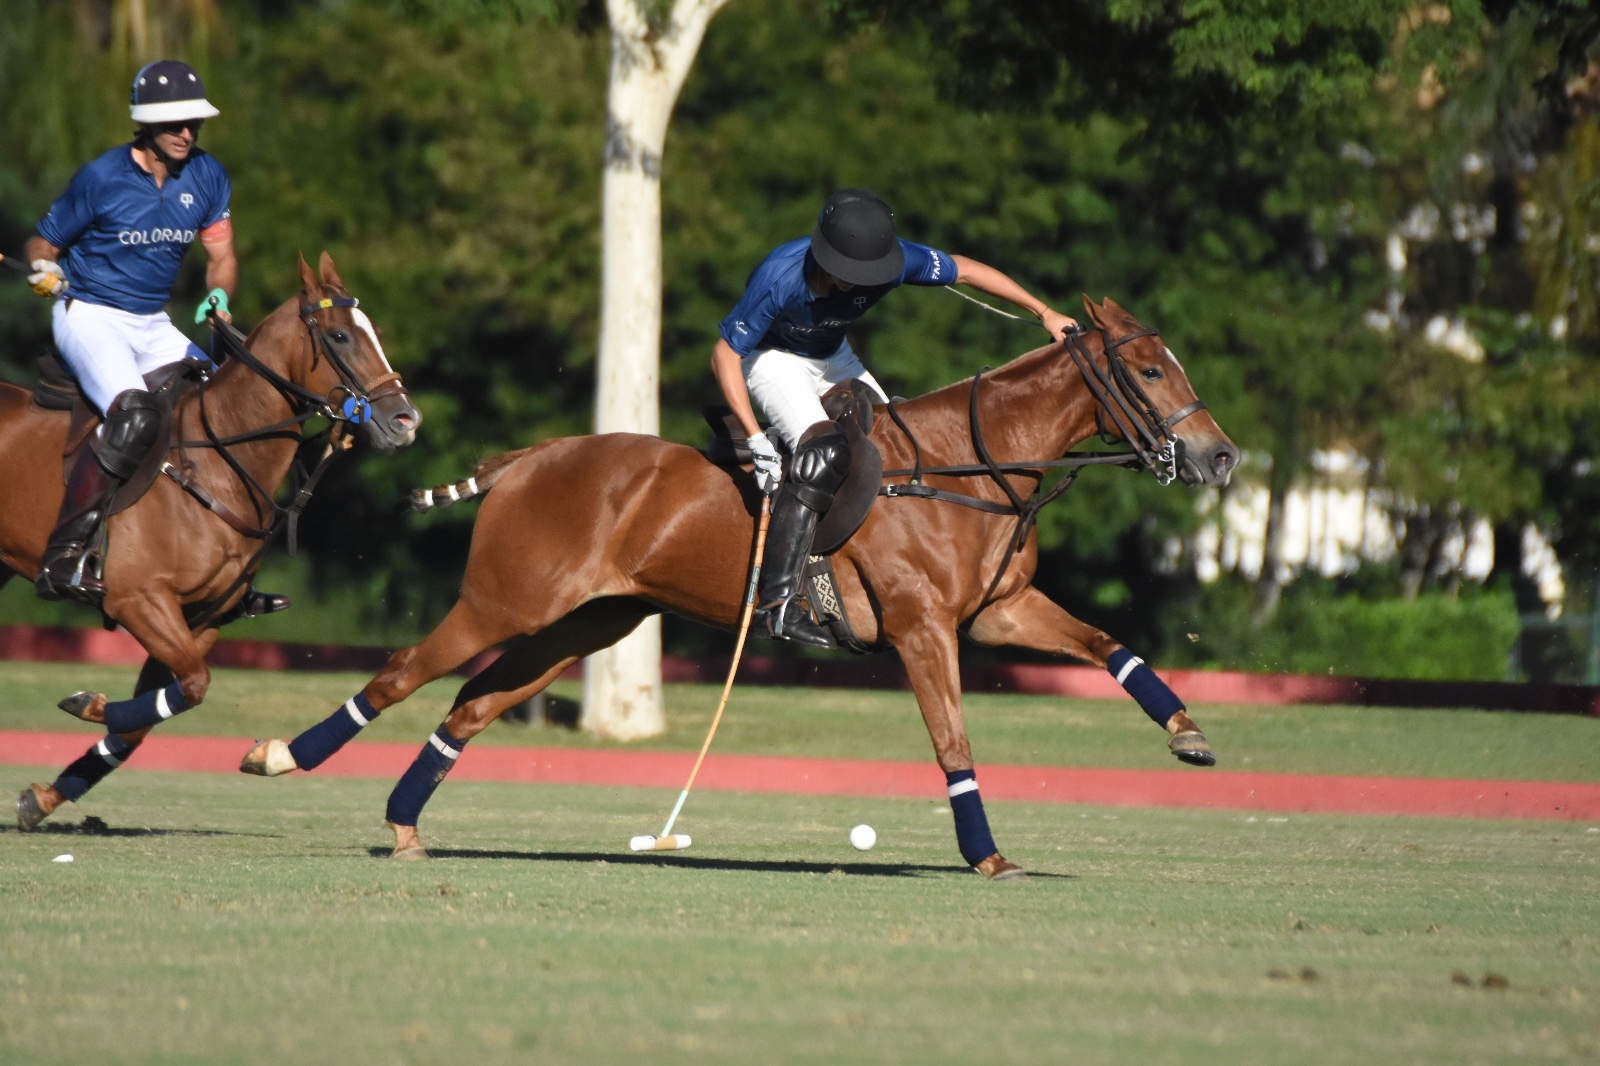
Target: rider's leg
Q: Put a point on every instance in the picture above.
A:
(132, 423)
(816, 471)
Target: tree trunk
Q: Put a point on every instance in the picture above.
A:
(649, 61)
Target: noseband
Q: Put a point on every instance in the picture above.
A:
(357, 404)
(1120, 397)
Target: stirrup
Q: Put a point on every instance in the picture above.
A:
(81, 586)
(789, 620)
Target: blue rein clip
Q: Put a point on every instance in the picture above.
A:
(356, 410)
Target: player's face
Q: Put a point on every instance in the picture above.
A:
(176, 139)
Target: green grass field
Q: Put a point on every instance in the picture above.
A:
(223, 919)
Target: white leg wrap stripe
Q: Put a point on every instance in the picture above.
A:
(355, 715)
(105, 753)
(961, 788)
(472, 486)
(454, 495)
(1127, 668)
(427, 497)
(161, 705)
(444, 749)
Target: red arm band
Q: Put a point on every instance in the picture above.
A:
(220, 230)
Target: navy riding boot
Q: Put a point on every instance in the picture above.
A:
(817, 470)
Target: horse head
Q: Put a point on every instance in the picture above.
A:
(1156, 386)
(347, 363)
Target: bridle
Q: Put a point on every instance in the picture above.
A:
(1118, 395)
(349, 402)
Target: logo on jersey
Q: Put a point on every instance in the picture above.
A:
(861, 301)
(156, 236)
(187, 199)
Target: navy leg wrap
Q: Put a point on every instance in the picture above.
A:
(313, 747)
(1158, 701)
(972, 825)
(416, 786)
(145, 710)
(93, 765)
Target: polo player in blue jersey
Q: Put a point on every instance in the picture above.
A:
(784, 343)
(108, 252)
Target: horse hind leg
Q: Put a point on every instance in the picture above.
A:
(1031, 620)
(464, 633)
(38, 801)
(528, 665)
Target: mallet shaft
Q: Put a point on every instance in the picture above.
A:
(738, 650)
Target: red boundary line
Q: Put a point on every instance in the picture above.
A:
(1190, 788)
(66, 644)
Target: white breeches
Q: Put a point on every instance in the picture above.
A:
(109, 351)
(789, 387)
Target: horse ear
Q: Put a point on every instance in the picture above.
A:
(308, 280)
(1095, 312)
(330, 273)
(1110, 306)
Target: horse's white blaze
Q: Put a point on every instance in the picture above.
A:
(364, 324)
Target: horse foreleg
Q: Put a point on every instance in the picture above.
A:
(930, 657)
(524, 670)
(37, 802)
(1031, 620)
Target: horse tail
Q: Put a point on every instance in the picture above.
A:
(480, 482)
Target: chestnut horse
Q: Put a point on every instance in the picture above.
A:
(166, 553)
(582, 538)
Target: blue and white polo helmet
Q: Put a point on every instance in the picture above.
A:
(169, 91)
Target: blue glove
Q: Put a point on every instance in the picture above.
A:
(217, 299)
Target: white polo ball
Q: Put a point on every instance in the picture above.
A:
(863, 837)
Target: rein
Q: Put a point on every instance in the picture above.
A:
(270, 517)
(1117, 393)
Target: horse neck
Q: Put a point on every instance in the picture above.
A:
(239, 400)
(1034, 407)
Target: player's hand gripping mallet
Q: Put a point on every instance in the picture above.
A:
(668, 841)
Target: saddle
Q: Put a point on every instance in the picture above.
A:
(58, 390)
(849, 405)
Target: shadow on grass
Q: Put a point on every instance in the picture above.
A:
(793, 866)
(95, 827)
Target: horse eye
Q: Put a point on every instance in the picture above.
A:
(1151, 374)
(338, 336)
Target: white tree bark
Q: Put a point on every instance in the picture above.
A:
(649, 61)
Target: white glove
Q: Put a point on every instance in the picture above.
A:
(47, 278)
(769, 468)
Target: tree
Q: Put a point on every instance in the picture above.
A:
(651, 52)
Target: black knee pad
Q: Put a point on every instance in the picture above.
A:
(818, 469)
(132, 422)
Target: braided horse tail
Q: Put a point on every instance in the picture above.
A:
(482, 479)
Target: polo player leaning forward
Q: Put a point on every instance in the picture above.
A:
(108, 252)
(784, 343)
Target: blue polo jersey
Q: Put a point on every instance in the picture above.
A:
(124, 237)
(777, 310)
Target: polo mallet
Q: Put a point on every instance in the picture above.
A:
(15, 264)
(667, 841)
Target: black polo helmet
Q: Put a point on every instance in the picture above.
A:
(168, 91)
(854, 239)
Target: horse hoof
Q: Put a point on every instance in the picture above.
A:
(30, 812)
(269, 758)
(414, 853)
(998, 868)
(86, 705)
(1191, 747)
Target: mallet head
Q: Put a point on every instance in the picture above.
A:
(670, 842)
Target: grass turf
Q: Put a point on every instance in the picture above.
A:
(886, 725)
(223, 919)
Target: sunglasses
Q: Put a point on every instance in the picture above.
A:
(191, 124)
